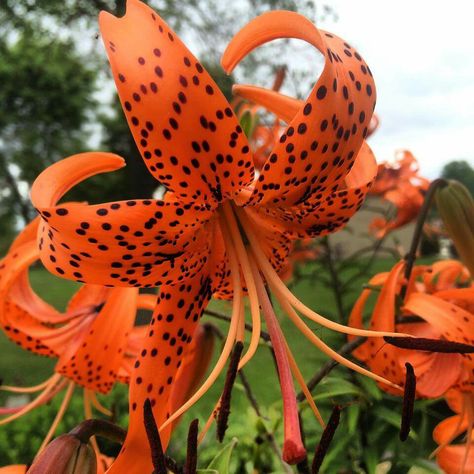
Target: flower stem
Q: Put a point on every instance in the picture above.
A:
(418, 232)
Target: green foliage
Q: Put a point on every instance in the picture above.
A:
(46, 97)
(461, 171)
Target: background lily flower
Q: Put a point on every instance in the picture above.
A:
(452, 457)
(440, 315)
(399, 183)
(93, 339)
(220, 229)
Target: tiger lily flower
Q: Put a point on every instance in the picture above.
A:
(443, 313)
(456, 458)
(221, 229)
(400, 184)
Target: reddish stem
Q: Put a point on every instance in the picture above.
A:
(293, 447)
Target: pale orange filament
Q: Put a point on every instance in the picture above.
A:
(304, 388)
(55, 385)
(88, 415)
(98, 406)
(34, 388)
(59, 416)
(308, 333)
(243, 259)
(274, 280)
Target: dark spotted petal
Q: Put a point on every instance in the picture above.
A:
(181, 122)
(126, 243)
(326, 211)
(93, 359)
(169, 336)
(323, 138)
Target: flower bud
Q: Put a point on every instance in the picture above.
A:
(65, 455)
(456, 208)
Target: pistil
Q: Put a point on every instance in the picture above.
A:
(293, 447)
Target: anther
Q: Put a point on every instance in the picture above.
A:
(430, 345)
(408, 402)
(191, 452)
(154, 440)
(326, 439)
(224, 409)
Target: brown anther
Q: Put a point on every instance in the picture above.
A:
(154, 440)
(326, 439)
(430, 345)
(224, 409)
(191, 453)
(408, 402)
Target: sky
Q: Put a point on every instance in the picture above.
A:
(422, 56)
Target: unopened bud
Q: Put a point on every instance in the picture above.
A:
(456, 208)
(65, 455)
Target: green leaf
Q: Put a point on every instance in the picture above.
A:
(370, 387)
(221, 462)
(371, 459)
(393, 419)
(335, 387)
(247, 123)
(352, 415)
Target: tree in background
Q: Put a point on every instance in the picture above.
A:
(46, 103)
(462, 171)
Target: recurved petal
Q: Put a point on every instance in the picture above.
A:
(328, 210)
(183, 125)
(125, 243)
(169, 337)
(329, 129)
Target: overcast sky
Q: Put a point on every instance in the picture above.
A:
(422, 56)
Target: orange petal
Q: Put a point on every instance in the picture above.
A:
(192, 371)
(115, 243)
(93, 360)
(324, 213)
(323, 139)
(281, 105)
(183, 125)
(169, 336)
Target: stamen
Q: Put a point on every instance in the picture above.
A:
(229, 342)
(408, 402)
(224, 409)
(54, 386)
(430, 345)
(308, 333)
(191, 453)
(326, 439)
(293, 447)
(242, 255)
(154, 440)
(88, 415)
(59, 416)
(304, 388)
(34, 388)
(98, 406)
(277, 285)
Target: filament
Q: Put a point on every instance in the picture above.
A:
(59, 416)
